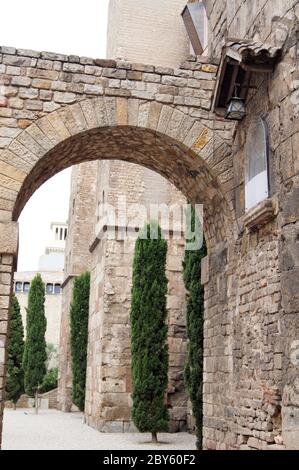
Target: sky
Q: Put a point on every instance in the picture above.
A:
(70, 27)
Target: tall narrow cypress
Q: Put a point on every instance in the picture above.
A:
(35, 356)
(15, 373)
(79, 312)
(149, 333)
(195, 322)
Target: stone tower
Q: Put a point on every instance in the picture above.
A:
(135, 30)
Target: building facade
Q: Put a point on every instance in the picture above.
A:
(53, 281)
(50, 268)
(250, 275)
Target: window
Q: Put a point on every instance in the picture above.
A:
(18, 286)
(26, 287)
(256, 171)
(57, 289)
(49, 289)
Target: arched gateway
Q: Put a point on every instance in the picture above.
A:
(59, 110)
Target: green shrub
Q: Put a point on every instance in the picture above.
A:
(15, 373)
(79, 312)
(35, 356)
(149, 334)
(50, 381)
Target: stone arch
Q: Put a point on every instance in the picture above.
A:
(157, 136)
(186, 150)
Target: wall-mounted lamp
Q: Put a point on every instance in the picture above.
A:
(236, 108)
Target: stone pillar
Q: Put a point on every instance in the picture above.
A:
(108, 384)
(77, 260)
(217, 352)
(289, 265)
(64, 398)
(177, 336)
(8, 253)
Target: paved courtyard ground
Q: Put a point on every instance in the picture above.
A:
(51, 429)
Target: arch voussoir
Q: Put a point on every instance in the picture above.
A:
(92, 114)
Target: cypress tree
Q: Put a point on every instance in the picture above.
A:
(15, 374)
(35, 356)
(195, 322)
(79, 311)
(149, 333)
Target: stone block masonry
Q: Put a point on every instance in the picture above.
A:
(112, 110)
(142, 186)
(116, 93)
(108, 385)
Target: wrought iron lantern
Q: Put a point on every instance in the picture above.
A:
(236, 108)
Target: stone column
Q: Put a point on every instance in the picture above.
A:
(108, 384)
(289, 266)
(8, 252)
(77, 260)
(65, 385)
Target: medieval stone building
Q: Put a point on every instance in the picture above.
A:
(222, 127)
(110, 258)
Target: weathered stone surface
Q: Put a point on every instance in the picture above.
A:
(9, 238)
(65, 98)
(251, 295)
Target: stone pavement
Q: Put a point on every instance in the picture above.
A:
(54, 430)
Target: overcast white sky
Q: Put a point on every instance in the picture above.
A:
(70, 27)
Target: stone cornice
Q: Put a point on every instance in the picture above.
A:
(109, 228)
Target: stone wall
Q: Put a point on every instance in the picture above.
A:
(135, 29)
(108, 400)
(47, 400)
(6, 274)
(77, 260)
(52, 303)
(179, 139)
(262, 320)
(251, 294)
(262, 20)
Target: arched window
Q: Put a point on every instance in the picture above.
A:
(256, 169)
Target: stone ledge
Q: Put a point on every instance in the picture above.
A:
(192, 63)
(259, 215)
(123, 230)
